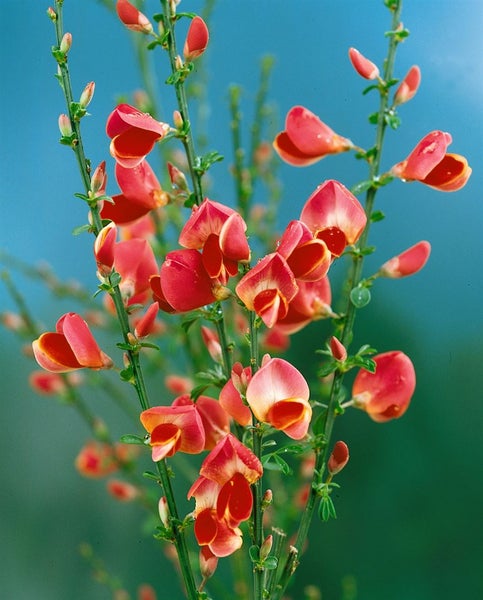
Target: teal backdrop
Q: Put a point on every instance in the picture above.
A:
(409, 521)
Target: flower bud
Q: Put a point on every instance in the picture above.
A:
(99, 179)
(208, 562)
(178, 385)
(147, 323)
(87, 94)
(146, 592)
(104, 249)
(177, 177)
(121, 490)
(363, 66)
(408, 86)
(339, 458)
(267, 499)
(212, 343)
(132, 18)
(65, 126)
(52, 14)
(266, 547)
(408, 262)
(163, 511)
(66, 43)
(196, 39)
(338, 350)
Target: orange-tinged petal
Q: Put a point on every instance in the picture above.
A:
(365, 67)
(290, 416)
(82, 342)
(408, 262)
(53, 353)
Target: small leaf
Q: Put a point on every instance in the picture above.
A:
(130, 438)
(254, 552)
(374, 118)
(361, 187)
(151, 475)
(327, 509)
(270, 563)
(327, 368)
(377, 215)
(360, 296)
(318, 425)
(81, 229)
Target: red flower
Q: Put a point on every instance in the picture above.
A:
(173, 429)
(219, 232)
(268, 288)
(133, 134)
(339, 458)
(430, 164)
(141, 193)
(333, 214)
(385, 394)
(96, 459)
(213, 416)
(71, 347)
(307, 139)
(135, 262)
(278, 394)
(408, 86)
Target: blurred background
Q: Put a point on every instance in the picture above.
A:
(409, 521)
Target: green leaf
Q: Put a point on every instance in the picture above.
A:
(319, 423)
(130, 438)
(254, 552)
(364, 362)
(377, 215)
(127, 374)
(360, 296)
(151, 475)
(361, 187)
(190, 201)
(374, 86)
(327, 509)
(81, 229)
(327, 368)
(373, 119)
(270, 563)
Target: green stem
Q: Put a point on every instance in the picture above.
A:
(240, 173)
(187, 138)
(350, 314)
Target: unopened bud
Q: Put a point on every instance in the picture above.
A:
(65, 126)
(196, 39)
(339, 458)
(212, 343)
(363, 66)
(163, 511)
(177, 177)
(104, 249)
(208, 562)
(87, 94)
(338, 349)
(266, 547)
(267, 499)
(408, 262)
(147, 322)
(132, 18)
(66, 43)
(122, 490)
(99, 179)
(408, 86)
(52, 14)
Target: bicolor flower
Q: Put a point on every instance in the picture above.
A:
(307, 139)
(104, 249)
(196, 39)
(147, 323)
(408, 262)
(312, 302)
(173, 429)
(308, 258)
(135, 262)
(132, 18)
(219, 232)
(71, 347)
(430, 164)
(133, 134)
(122, 490)
(385, 394)
(45, 382)
(362, 65)
(409, 86)
(96, 459)
(278, 394)
(184, 284)
(333, 214)
(338, 458)
(213, 416)
(268, 288)
(141, 193)
(231, 394)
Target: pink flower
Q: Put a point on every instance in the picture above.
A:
(96, 459)
(71, 347)
(268, 288)
(385, 394)
(133, 134)
(122, 490)
(308, 257)
(230, 395)
(219, 232)
(278, 394)
(141, 193)
(408, 86)
(104, 249)
(213, 416)
(338, 349)
(333, 214)
(196, 39)
(363, 65)
(132, 18)
(408, 262)
(173, 429)
(430, 164)
(147, 323)
(184, 284)
(135, 262)
(307, 139)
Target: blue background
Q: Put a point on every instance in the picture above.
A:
(409, 523)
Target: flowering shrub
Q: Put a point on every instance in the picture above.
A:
(228, 297)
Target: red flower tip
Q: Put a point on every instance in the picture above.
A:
(196, 39)
(132, 18)
(408, 262)
(338, 349)
(363, 66)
